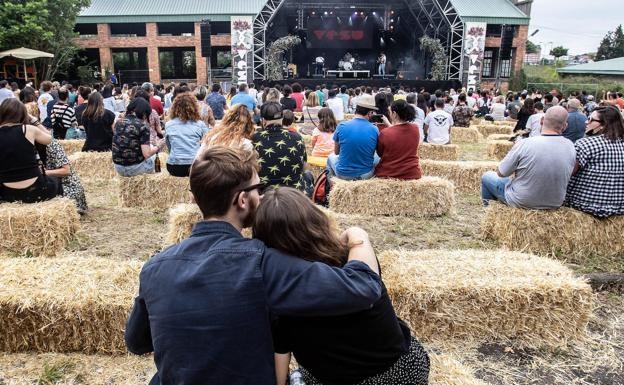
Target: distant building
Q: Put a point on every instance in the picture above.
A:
(612, 69)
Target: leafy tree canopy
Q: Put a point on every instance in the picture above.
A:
(558, 52)
(612, 45)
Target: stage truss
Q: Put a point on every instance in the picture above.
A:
(435, 18)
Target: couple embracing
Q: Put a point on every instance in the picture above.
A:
(219, 308)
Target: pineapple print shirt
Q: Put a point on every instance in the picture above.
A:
(281, 155)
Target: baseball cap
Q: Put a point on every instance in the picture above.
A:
(271, 111)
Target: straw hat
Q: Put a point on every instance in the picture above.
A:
(366, 101)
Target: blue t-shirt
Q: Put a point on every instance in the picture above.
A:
(216, 101)
(358, 140)
(576, 126)
(246, 99)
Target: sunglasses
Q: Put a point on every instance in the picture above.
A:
(261, 187)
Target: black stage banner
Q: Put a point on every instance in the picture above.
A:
(323, 34)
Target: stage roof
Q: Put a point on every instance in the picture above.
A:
(606, 67)
(135, 11)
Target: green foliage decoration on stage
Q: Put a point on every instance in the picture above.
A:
(274, 55)
(435, 50)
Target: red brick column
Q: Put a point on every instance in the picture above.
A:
(106, 58)
(153, 62)
(520, 45)
(201, 63)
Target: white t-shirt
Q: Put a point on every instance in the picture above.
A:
(439, 123)
(42, 103)
(252, 92)
(498, 111)
(419, 121)
(535, 124)
(471, 102)
(337, 107)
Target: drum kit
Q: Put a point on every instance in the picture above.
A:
(346, 65)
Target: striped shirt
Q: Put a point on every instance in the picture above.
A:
(66, 114)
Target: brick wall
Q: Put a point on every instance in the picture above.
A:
(105, 42)
(519, 43)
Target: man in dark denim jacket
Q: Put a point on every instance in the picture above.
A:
(204, 305)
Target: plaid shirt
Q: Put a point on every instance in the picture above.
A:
(598, 187)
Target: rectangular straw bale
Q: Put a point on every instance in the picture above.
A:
(466, 176)
(72, 146)
(37, 229)
(316, 165)
(466, 134)
(565, 232)
(93, 164)
(307, 140)
(487, 295)
(155, 191)
(425, 197)
(62, 305)
(76, 368)
(182, 217)
(438, 151)
(498, 149)
(446, 370)
(489, 129)
(500, 137)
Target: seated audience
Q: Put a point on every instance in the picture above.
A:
(398, 144)
(298, 96)
(323, 135)
(576, 121)
(82, 103)
(336, 105)
(331, 350)
(282, 154)
(597, 186)
(217, 102)
(288, 121)
(183, 134)
(287, 102)
(29, 98)
(63, 117)
(419, 119)
(462, 113)
(132, 153)
(98, 124)
(205, 111)
(153, 120)
(355, 142)
(311, 107)
(437, 125)
(21, 179)
(541, 165)
(497, 109)
(534, 123)
(235, 130)
(528, 109)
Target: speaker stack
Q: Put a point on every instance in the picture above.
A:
(205, 38)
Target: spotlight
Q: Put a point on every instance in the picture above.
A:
(392, 12)
(325, 12)
(331, 13)
(313, 13)
(362, 13)
(392, 20)
(374, 13)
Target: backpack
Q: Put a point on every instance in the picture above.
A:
(58, 129)
(320, 192)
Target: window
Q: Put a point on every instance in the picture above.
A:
(127, 29)
(505, 68)
(176, 29)
(488, 61)
(86, 30)
(129, 59)
(177, 63)
(494, 30)
(220, 27)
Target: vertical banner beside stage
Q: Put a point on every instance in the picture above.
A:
(474, 46)
(242, 49)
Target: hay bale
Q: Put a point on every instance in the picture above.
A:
(37, 229)
(153, 191)
(438, 151)
(74, 368)
(316, 165)
(500, 137)
(425, 197)
(466, 176)
(564, 232)
(488, 295)
(498, 149)
(182, 218)
(66, 305)
(93, 165)
(446, 370)
(307, 140)
(489, 129)
(466, 134)
(72, 146)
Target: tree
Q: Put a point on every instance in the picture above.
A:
(532, 47)
(45, 25)
(612, 45)
(558, 52)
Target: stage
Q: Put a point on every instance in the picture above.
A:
(429, 85)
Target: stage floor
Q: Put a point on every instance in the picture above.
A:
(429, 85)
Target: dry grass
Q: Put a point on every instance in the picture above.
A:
(66, 304)
(565, 232)
(72, 146)
(466, 134)
(93, 164)
(37, 229)
(447, 370)
(500, 137)
(466, 176)
(487, 296)
(490, 129)
(438, 151)
(425, 197)
(155, 191)
(498, 149)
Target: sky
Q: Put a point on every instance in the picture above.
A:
(578, 25)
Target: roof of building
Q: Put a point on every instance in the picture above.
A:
(128, 11)
(604, 67)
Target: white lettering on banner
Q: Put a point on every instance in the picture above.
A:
(242, 44)
(474, 47)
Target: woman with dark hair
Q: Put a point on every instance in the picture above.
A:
(369, 347)
(398, 144)
(132, 153)
(323, 135)
(109, 99)
(230, 95)
(287, 102)
(153, 121)
(298, 95)
(98, 124)
(421, 103)
(29, 98)
(524, 114)
(597, 183)
(21, 178)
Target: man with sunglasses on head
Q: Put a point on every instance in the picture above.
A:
(205, 305)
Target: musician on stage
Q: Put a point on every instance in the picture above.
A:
(319, 64)
(382, 64)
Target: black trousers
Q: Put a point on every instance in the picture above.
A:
(44, 188)
(180, 170)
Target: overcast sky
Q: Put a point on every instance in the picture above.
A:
(578, 25)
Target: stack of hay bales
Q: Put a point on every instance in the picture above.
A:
(498, 149)
(72, 146)
(66, 304)
(465, 175)
(500, 137)
(564, 232)
(487, 295)
(489, 129)
(37, 229)
(438, 151)
(425, 197)
(93, 164)
(154, 191)
(466, 134)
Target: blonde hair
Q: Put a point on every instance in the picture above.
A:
(272, 95)
(237, 125)
(312, 100)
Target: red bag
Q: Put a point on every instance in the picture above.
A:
(320, 192)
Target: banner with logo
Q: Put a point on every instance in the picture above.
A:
(474, 46)
(242, 49)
